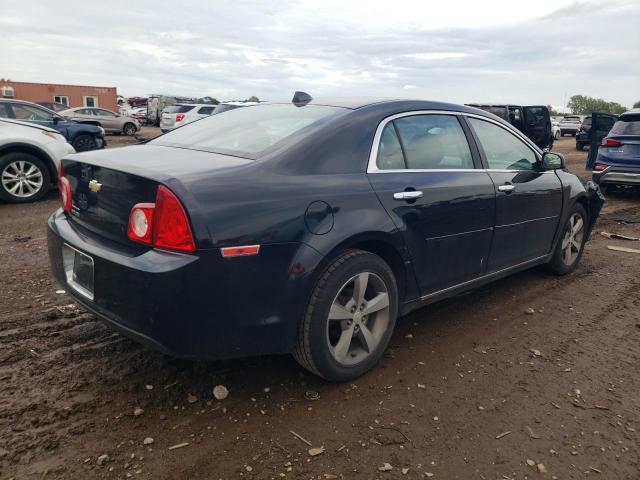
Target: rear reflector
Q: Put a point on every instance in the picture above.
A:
(179, 117)
(598, 167)
(610, 142)
(243, 251)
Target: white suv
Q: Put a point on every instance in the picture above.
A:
(29, 160)
(180, 114)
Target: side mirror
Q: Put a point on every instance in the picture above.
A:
(552, 161)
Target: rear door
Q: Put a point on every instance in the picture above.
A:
(427, 177)
(528, 200)
(537, 126)
(107, 119)
(601, 124)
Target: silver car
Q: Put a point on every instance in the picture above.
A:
(112, 122)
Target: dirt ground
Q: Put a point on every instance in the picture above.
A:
(470, 388)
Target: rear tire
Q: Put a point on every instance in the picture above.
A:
(350, 317)
(84, 142)
(23, 178)
(571, 244)
(557, 135)
(129, 129)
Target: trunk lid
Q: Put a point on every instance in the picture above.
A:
(105, 185)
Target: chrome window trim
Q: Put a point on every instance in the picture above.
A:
(372, 166)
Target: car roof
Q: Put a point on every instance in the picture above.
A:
(633, 111)
(27, 124)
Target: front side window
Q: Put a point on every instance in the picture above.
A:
(503, 150)
(248, 131)
(31, 114)
(103, 113)
(434, 142)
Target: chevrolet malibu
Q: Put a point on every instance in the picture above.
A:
(309, 227)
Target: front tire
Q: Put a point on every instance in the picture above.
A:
(23, 178)
(84, 142)
(350, 317)
(571, 244)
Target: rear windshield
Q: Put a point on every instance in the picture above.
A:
(247, 131)
(627, 125)
(571, 119)
(587, 121)
(178, 108)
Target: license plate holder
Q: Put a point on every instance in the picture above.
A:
(79, 270)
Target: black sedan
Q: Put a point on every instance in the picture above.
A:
(309, 227)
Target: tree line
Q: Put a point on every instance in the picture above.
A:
(584, 105)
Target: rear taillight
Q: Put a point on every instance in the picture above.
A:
(179, 117)
(610, 142)
(598, 167)
(64, 186)
(163, 224)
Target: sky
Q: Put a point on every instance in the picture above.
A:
(477, 51)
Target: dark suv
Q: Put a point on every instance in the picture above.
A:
(83, 137)
(533, 121)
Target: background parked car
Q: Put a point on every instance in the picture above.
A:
(82, 137)
(180, 114)
(533, 121)
(55, 106)
(555, 128)
(112, 122)
(570, 124)
(29, 160)
(617, 161)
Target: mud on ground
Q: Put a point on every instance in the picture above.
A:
(472, 387)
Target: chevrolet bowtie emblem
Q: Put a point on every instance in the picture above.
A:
(95, 186)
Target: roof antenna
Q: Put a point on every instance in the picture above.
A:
(300, 99)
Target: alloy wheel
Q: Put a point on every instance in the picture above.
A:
(573, 237)
(358, 318)
(22, 179)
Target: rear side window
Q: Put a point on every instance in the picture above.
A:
(433, 142)
(179, 108)
(206, 110)
(390, 155)
(627, 125)
(503, 150)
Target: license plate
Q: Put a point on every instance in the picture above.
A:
(78, 268)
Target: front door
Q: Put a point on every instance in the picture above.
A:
(528, 200)
(426, 177)
(538, 126)
(601, 124)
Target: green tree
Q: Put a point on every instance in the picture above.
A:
(637, 104)
(553, 112)
(252, 98)
(209, 100)
(583, 105)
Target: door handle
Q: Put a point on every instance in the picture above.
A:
(409, 195)
(506, 188)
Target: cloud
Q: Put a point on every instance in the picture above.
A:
(494, 51)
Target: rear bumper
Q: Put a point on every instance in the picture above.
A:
(191, 306)
(617, 176)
